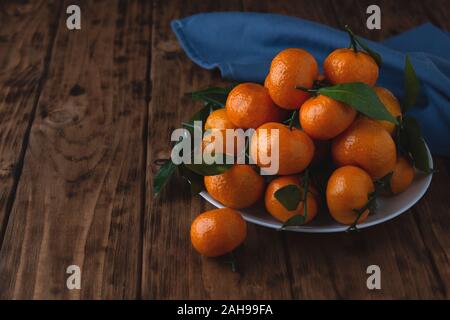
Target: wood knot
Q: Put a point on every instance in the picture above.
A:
(77, 90)
(6, 170)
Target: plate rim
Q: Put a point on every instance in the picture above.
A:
(334, 229)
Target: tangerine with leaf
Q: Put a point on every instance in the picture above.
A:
(348, 190)
(216, 125)
(391, 104)
(323, 118)
(279, 210)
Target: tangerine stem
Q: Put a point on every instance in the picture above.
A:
(291, 121)
(352, 38)
(307, 90)
(360, 211)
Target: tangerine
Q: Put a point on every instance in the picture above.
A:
(348, 188)
(239, 187)
(249, 105)
(367, 145)
(279, 211)
(290, 68)
(392, 105)
(217, 232)
(323, 118)
(402, 176)
(345, 65)
(295, 148)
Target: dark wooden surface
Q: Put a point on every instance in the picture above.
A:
(83, 116)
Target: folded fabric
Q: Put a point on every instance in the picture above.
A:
(242, 46)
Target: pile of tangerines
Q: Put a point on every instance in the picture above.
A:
(362, 151)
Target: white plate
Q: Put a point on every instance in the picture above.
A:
(387, 209)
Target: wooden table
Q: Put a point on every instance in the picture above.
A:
(83, 116)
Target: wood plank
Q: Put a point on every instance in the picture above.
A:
(396, 16)
(334, 266)
(25, 39)
(438, 12)
(172, 269)
(321, 12)
(431, 216)
(341, 260)
(431, 213)
(80, 198)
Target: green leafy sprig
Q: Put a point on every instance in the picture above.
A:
(214, 95)
(213, 98)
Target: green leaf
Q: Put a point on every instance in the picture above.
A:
(214, 95)
(203, 113)
(163, 176)
(361, 97)
(200, 115)
(289, 196)
(292, 197)
(376, 56)
(195, 180)
(412, 141)
(204, 169)
(296, 220)
(412, 85)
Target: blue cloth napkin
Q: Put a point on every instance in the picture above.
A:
(242, 46)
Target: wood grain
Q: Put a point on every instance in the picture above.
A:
(322, 11)
(79, 200)
(172, 269)
(83, 116)
(431, 215)
(25, 41)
